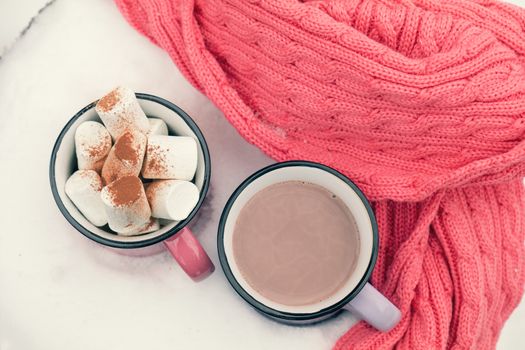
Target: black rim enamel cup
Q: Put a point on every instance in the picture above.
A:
(300, 168)
(176, 236)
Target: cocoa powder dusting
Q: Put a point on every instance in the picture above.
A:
(96, 181)
(109, 176)
(99, 150)
(125, 190)
(124, 149)
(156, 160)
(152, 188)
(97, 184)
(107, 102)
(99, 164)
(95, 152)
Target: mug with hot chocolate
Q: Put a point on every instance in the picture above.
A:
(298, 241)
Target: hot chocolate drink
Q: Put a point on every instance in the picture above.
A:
(295, 243)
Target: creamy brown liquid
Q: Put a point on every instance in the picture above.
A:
(295, 243)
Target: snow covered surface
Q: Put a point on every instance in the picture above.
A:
(58, 290)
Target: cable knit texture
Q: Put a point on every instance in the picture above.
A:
(420, 102)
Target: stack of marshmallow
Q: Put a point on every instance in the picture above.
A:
(107, 188)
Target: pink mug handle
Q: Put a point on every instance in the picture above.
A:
(190, 255)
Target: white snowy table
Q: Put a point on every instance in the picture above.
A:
(58, 290)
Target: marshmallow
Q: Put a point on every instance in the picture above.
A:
(126, 157)
(126, 205)
(83, 188)
(172, 199)
(157, 127)
(92, 145)
(170, 157)
(120, 111)
(152, 225)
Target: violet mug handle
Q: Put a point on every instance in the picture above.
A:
(190, 255)
(374, 308)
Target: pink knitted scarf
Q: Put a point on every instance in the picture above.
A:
(421, 102)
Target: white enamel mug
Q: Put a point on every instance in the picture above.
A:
(357, 295)
(176, 236)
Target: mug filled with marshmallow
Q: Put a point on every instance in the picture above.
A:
(130, 171)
